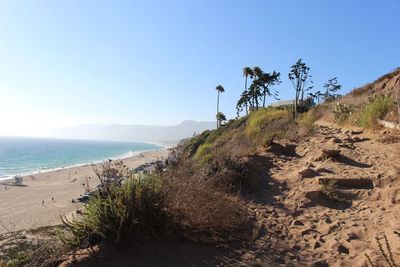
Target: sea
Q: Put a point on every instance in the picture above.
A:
(22, 156)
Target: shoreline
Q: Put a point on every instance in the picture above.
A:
(44, 197)
(124, 156)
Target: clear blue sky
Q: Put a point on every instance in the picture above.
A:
(157, 62)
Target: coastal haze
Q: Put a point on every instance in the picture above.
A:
(167, 135)
(84, 144)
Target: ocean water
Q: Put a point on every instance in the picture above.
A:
(29, 155)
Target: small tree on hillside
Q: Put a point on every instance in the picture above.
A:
(220, 118)
(331, 87)
(242, 102)
(269, 80)
(255, 90)
(255, 95)
(316, 96)
(299, 76)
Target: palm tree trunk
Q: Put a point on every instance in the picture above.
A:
(217, 108)
(256, 99)
(265, 96)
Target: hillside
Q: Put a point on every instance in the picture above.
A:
(386, 84)
(297, 221)
(357, 100)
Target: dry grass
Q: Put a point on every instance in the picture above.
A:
(385, 251)
(358, 92)
(36, 247)
(199, 202)
(376, 86)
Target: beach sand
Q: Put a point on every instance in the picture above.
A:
(43, 197)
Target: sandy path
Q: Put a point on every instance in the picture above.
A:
(302, 232)
(21, 206)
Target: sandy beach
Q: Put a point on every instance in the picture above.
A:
(43, 197)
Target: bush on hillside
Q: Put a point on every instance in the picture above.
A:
(342, 112)
(198, 202)
(135, 207)
(225, 172)
(377, 108)
(110, 173)
(173, 203)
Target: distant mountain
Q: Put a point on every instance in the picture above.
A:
(146, 133)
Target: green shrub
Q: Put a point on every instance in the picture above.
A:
(377, 108)
(134, 207)
(331, 192)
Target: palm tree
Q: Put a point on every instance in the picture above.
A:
(220, 118)
(247, 71)
(220, 89)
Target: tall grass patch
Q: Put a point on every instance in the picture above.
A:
(204, 153)
(260, 119)
(307, 120)
(377, 108)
